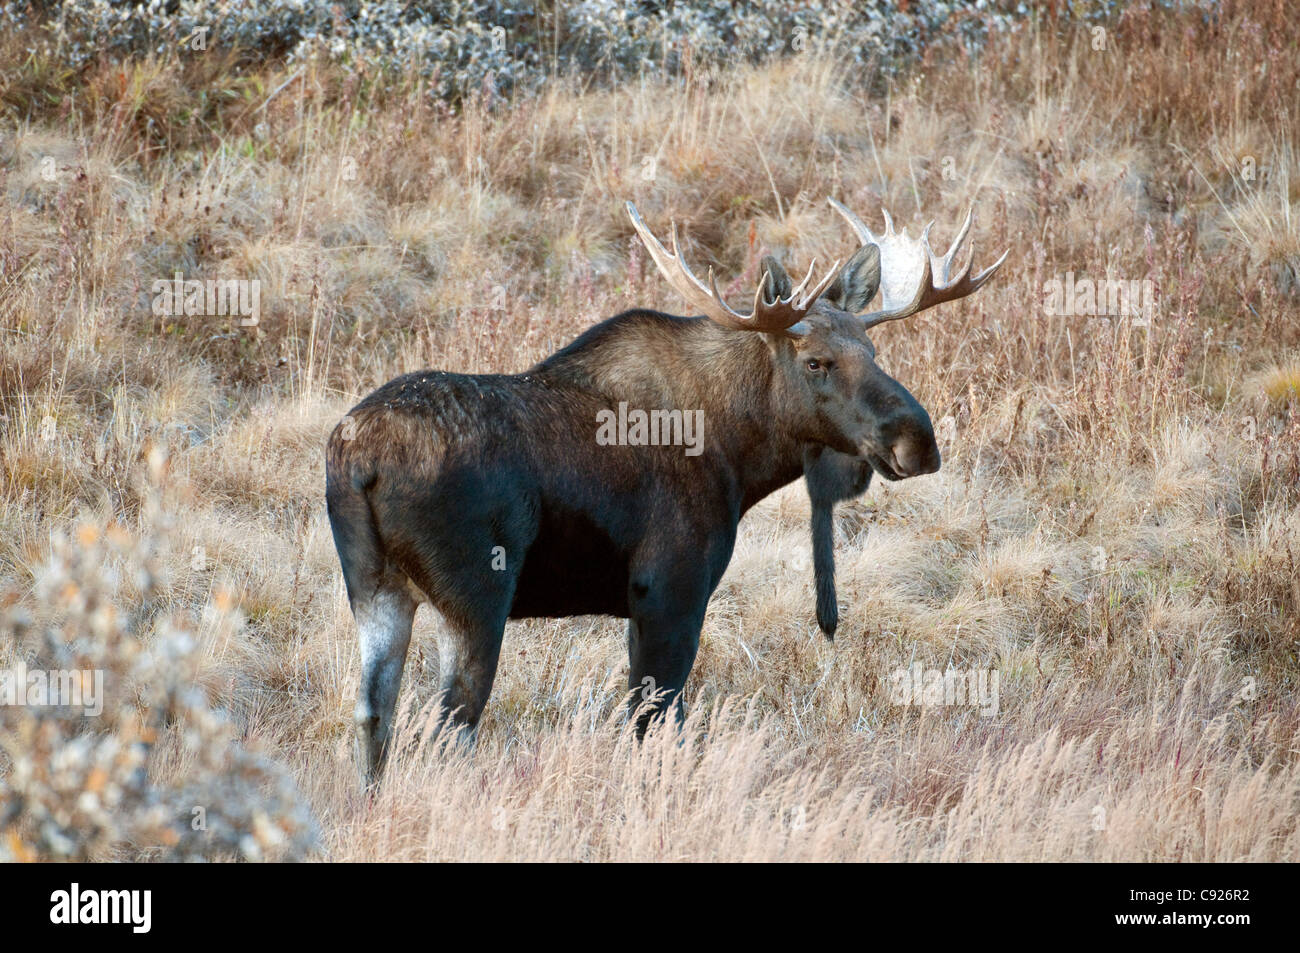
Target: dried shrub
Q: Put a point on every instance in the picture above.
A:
(145, 766)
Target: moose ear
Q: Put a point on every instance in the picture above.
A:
(779, 285)
(857, 281)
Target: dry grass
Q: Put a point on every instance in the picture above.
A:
(1113, 530)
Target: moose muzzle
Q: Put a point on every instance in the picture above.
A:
(915, 453)
(904, 441)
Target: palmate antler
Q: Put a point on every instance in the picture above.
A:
(780, 316)
(912, 277)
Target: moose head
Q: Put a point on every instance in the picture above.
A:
(832, 391)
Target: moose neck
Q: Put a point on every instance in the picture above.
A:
(656, 361)
(746, 398)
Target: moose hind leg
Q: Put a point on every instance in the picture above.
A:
(467, 664)
(384, 628)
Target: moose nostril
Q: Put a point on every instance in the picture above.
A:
(913, 457)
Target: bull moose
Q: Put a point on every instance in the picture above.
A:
(491, 497)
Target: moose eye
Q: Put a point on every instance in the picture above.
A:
(815, 365)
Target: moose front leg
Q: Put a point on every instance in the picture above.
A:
(830, 477)
(660, 660)
(663, 635)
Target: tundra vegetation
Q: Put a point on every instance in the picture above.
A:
(1113, 533)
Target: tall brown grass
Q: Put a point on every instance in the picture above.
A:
(1114, 528)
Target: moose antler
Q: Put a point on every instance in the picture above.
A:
(912, 277)
(780, 316)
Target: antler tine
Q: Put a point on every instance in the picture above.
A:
(714, 297)
(798, 300)
(987, 273)
(961, 237)
(864, 233)
(912, 277)
(782, 316)
(759, 297)
(795, 295)
(820, 288)
(679, 275)
(889, 222)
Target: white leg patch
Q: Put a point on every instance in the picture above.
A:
(384, 632)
